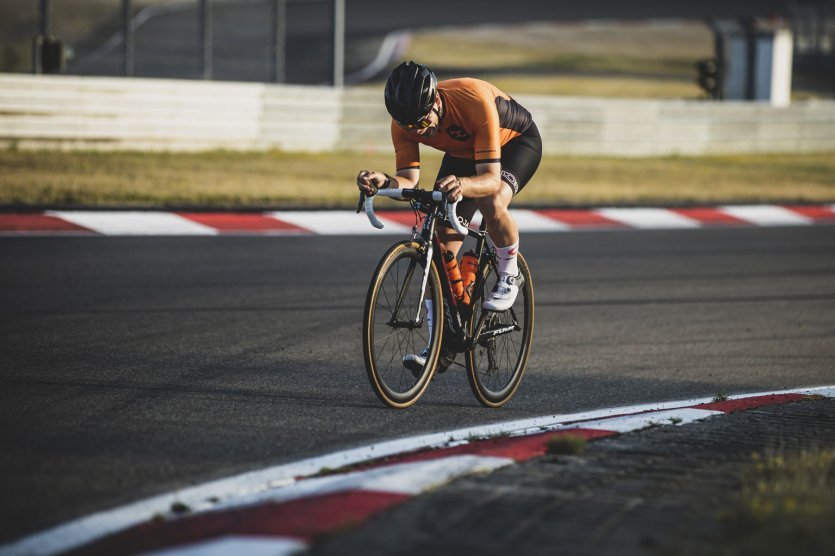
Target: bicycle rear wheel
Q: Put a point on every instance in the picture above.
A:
(395, 325)
(502, 342)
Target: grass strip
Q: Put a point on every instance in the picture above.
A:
(228, 179)
(787, 507)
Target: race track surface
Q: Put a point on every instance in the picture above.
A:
(133, 366)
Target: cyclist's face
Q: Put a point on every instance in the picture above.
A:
(432, 128)
(427, 126)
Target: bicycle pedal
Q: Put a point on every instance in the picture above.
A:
(446, 362)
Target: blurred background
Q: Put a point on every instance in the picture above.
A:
(677, 102)
(639, 49)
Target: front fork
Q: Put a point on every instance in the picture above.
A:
(424, 281)
(428, 251)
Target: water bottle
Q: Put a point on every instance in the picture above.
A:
(469, 268)
(454, 274)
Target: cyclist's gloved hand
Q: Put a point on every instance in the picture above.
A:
(368, 182)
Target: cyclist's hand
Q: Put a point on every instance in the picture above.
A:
(450, 185)
(369, 181)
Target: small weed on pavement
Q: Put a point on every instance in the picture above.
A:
(566, 445)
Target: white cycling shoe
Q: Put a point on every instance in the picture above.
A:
(414, 362)
(504, 293)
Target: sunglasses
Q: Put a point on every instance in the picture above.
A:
(422, 123)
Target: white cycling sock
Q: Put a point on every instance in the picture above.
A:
(507, 260)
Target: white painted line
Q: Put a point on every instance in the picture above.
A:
(129, 223)
(326, 222)
(251, 546)
(408, 479)
(414, 478)
(530, 221)
(258, 483)
(825, 391)
(767, 215)
(648, 218)
(631, 423)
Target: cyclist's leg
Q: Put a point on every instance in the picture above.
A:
(450, 239)
(454, 166)
(520, 159)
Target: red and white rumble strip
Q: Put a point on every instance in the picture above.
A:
(279, 510)
(150, 223)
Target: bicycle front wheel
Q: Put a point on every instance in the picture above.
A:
(501, 342)
(400, 345)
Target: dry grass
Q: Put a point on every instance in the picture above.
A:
(787, 507)
(594, 58)
(610, 59)
(655, 45)
(596, 86)
(246, 179)
(217, 178)
(712, 179)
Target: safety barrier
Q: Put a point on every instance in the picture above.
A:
(70, 112)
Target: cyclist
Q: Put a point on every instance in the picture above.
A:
(492, 149)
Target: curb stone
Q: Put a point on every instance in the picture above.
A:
(286, 508)
(344, 222)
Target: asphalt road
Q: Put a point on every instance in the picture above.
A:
(133, 366)
(168, 44)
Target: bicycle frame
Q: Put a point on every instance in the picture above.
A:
(456, 314)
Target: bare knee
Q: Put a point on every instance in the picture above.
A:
(495, 205)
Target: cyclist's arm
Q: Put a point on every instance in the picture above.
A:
(406, 178)
(486, 183)
(369, 181)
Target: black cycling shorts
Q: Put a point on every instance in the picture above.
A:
(520, 159)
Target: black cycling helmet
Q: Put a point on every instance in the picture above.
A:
(410, 92)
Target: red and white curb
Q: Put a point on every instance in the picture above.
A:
(149, 223)
(281, 509)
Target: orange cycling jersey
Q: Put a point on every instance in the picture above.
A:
(477, 120)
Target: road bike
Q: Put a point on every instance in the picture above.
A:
(411, 292)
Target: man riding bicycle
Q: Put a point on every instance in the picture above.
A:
(492, 149)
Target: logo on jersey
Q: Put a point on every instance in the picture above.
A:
(457, 133)
(510, 180)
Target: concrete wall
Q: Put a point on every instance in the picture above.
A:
(155, 114)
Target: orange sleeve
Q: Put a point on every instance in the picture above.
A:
(406, 151)
(487, 141)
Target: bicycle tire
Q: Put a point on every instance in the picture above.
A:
(389, 337)
(496, 365)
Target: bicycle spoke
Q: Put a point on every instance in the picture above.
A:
(496, 363)
(391, 332)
